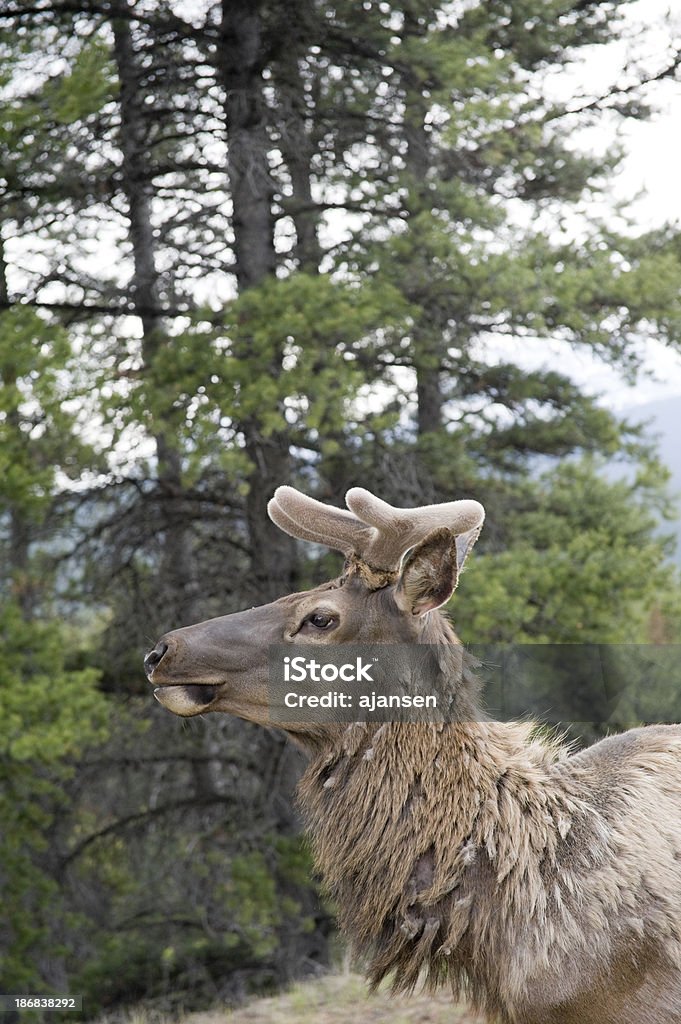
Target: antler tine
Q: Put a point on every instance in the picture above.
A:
(398, 529)
(307, 519)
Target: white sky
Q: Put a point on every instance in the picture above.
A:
(649, 179)
(652, 167)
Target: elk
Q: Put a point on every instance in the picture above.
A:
(542, 884)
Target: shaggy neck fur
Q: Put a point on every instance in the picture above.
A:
(484, 819)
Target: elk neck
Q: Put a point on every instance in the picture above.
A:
(417, 829)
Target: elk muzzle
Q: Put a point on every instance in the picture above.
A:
(217, 665)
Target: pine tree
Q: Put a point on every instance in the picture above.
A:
(328, 233)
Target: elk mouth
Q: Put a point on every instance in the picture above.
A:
(186, 699)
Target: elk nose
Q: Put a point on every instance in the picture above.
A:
(153, 657)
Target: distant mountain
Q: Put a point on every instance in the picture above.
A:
(665, 427)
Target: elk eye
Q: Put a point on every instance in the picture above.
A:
(320, 620)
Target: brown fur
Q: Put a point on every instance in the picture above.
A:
(477, 854)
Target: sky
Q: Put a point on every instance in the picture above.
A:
(649, 179)
(652, 168)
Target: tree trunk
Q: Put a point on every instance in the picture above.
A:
(297, 146)
(429, 396)
(239, 62)
(240, 68)
(175, 573)
(427, 335)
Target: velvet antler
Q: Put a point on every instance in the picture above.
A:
(373, 532)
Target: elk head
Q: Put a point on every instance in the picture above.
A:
(222, 664)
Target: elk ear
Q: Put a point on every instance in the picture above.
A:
(429, 574)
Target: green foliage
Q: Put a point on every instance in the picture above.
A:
(287, 355)
(250, 898)
(582, 565)
(49, 715)
(87, 85)
(162, 941)
(38, 432)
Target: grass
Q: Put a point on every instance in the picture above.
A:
(340, 999)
